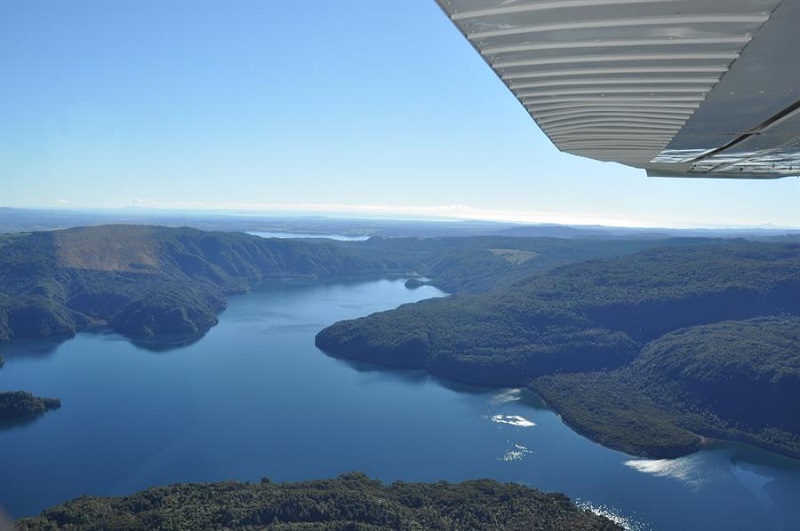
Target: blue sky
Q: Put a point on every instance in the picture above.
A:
(380, 107)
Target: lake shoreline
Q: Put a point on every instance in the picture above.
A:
(626, 449)
(167, 416)
(703, 440)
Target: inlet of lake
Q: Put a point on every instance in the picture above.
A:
(254, 398)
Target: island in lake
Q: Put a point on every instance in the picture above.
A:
(20, 404)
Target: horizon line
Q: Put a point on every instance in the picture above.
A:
(441, 213)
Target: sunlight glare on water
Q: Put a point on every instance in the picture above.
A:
(516, 453)
(690, 469)
(615, 516)
(513, 420)
(509, 395)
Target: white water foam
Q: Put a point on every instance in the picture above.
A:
(513, 420)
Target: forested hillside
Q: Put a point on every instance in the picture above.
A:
(581, 317)
(351, 501)
(597, 316)
(147, 281)
(736, 380)
(480, 264)
(144, 281)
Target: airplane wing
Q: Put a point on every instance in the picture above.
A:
(680, 88)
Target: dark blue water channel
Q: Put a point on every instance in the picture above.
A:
(255, 398)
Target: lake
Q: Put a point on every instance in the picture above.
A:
(254, 398)
(304, 235)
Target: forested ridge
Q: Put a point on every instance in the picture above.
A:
(584, 316)
(144, 281)
(148, 281)
(479, 264)
(594, 317)
(351, 501)
(737, 380)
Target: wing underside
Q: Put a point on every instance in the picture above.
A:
(680, 88)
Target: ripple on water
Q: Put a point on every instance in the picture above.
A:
(509, 395)
(517, 452)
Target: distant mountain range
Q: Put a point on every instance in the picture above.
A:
(27, 220)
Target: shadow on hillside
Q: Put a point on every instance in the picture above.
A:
(165, 343)
(409, 376)
(412, 376)
(36, 348)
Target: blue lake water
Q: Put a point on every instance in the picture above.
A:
(302, 235)
(255, 398)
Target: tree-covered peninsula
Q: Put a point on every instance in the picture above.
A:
(20, 404)
(351, 501)
(737, 380)
(602, 315)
